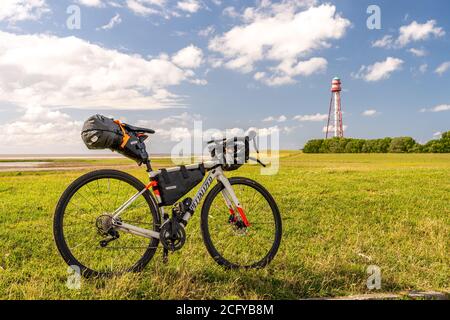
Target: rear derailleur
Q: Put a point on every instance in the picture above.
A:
(172, 234)
(106, 229)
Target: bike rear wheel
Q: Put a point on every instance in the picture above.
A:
(229, 242)
(83, 214)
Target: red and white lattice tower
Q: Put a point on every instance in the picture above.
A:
(335, 113)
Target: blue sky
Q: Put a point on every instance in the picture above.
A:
(231, 64)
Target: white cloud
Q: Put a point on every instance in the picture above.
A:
(115, 4)
(285, 33)
(21, 10)
(281, 118)
(39, 129)
(91, 3)
(312, 117)
(173, 128)
(164, 8)
(370, 113)
(276, 81)
(116, 20)
(146, 7)
(418, 52)
(304, 68)
(415, 32)
(423, 68)
(437, 134)
(208, 31)
(380, 70)
(285, 72)
(190, 6)
(230, 12)
(438, 108)
(189, 57)
(442, 68)
(70, 72)
(385, 42)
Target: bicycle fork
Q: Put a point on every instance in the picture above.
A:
(232, 201)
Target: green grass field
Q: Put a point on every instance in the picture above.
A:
(341, 213)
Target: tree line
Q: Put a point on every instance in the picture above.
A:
(386, 145)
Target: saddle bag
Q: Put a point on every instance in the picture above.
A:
(100, 132)
(176, 182)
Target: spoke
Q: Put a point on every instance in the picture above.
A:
(78, 216)
(93, 207)
(82, 243)
(254, 205)
(250, 247)
(98, 200)
(77, 232)
(253, 198)
(117, 196)
(258, 223)
(81, 235)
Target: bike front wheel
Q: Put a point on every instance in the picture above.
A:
(82, 224)
(228, 240)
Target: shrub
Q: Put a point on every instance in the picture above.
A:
(334, 145)
(402, 145)
(313, 146)
(354, 146)
(394, 145)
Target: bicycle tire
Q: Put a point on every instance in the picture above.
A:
(214, 253)
(58, 224)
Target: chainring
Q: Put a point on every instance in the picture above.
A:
(172, 243)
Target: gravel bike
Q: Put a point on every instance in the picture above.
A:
(108, 222)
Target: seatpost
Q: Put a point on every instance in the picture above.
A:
(148, 165)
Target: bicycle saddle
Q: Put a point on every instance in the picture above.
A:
(131, 128)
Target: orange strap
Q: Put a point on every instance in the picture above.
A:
(126, 137)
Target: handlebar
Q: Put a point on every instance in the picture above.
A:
(251, 136)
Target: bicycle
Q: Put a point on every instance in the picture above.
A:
(108, 222)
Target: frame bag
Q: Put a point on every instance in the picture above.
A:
(173, 185)
(100, 132)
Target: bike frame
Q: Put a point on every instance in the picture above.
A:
(215, 172)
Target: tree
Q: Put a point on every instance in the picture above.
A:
(354, 146)
(313, 146)
(402, 145)
(395, 145)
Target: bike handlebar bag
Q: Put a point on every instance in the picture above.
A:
(100, 132)
(175, 183)
(231, 155)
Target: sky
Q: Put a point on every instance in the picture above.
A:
(230, 64)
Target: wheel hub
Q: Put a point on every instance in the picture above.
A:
(104, 225)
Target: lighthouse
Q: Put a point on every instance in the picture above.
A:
(335, 112)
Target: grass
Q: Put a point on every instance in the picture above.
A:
(341, 213)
